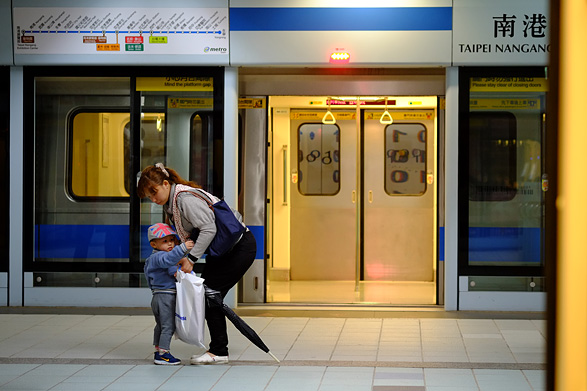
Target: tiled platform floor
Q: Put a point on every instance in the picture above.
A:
(50, 351)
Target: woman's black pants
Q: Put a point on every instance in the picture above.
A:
(221, 274)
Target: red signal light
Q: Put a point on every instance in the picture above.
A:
(340, 58)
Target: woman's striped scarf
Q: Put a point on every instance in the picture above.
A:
(176, 213)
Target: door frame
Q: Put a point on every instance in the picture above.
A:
(275, 188)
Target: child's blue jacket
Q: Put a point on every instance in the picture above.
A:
(160, 267)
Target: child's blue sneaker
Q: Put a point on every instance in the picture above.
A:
(166, 359)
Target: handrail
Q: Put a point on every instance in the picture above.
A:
(285, 176)
(358, 202)
(388, 121)
(386, 114)
(325, 119)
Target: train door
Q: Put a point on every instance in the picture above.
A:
(399, 193)
(354, 201)
(323, 211)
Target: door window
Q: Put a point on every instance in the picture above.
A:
(318, 159)
(98, 155)
(405, 159)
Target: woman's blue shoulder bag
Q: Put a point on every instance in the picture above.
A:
(228, 228)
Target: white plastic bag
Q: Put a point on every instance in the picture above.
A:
(190, 309)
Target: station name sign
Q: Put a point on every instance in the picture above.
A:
(503, 48)
(502, 32)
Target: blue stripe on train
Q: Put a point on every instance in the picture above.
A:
(101, 241)
(441, 244)
(259, 232)
(498, 244)
(341, 19)
(112, 241)
(82, 241)
(501, 244)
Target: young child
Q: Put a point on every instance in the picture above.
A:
(160, 269)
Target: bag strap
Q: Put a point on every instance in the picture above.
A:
(176, 216)
(198, 194)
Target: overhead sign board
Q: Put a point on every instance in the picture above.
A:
(501, 32)
(89, 33)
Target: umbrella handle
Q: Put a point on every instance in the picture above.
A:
(272, 355)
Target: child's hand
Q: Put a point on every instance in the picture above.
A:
(189, 244)
(186, 265)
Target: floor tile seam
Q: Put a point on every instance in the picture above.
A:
(323, 376)
(530, 382)
(22, 374)
(131, 368)
(65, 326)
(421, 337)
(222, 375)
(459, 328)
(84, 367)
(472, 352)
(265, 327)
(81, 344)
(29, 372)
(268, 382)
(378, 346)
(298, 335)
(338, 339)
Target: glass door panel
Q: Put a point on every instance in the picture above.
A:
(92, 135)
(176, 130)
(81, 189)
(505, 176)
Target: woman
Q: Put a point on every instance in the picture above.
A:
(192, 217)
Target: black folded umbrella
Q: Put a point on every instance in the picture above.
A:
(215, 300)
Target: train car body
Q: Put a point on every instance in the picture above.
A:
(396, 158)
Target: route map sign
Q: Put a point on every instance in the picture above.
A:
(155, 31)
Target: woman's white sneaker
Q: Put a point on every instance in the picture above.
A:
(208, 359)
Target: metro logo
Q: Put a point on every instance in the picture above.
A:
(208, 49)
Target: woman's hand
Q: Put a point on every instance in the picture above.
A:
(186, 265)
